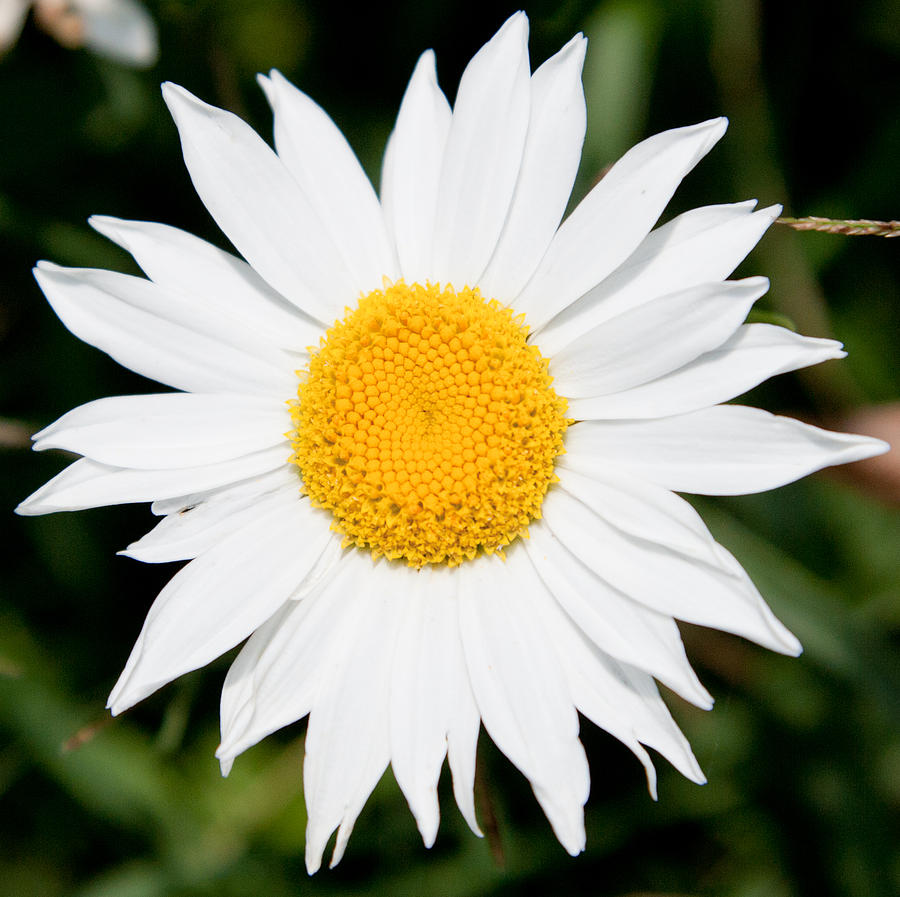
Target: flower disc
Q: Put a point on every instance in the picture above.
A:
(427, 425)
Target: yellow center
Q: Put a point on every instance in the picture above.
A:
(427, 425)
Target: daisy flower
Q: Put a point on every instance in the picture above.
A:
(119, 29)
(426, 449)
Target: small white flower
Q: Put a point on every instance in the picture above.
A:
(119, 29)
(509, 552)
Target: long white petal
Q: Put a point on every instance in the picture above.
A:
(431, 699)
(483, 155)
(318, 156)
(613, 218)
(163, 431)
(652, 722)
(654, 339)
(724, 450)
(625, 702)
(664, 580)
(218, 599)
(282, 476)
(199, 522)
(348, 738)
(260, 207)
(12, 18)
(148, 329)
(274, 678)
(419, 693)
(520, 690)
(638, 507)
(620, 627)
(120, 29)
(618, 698)
(219, 283)
(700, 246)
(753, 354)
(87, 484)
(549, 164)
(411, 170)
(463, 727)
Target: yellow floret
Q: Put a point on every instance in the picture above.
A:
(427, 425)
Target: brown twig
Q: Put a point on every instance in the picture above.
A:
(489, 821)
(849, 227)
(85, 734)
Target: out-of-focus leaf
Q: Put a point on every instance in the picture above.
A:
(832, 635)
(623, 37)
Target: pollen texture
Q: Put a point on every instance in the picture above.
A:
(427, 425)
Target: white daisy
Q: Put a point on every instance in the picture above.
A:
(120, 29)
(416, 530)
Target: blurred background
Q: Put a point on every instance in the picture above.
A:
(802, 755)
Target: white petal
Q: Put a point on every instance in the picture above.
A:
(330, 176)
(755, 353)
(652, 722)
(699, 246)
(613, 218)
(411, 170)
(218, 599)
(216, 281)
(462, 743)
(429, 682)
(654, 339)
(149, 330)
(663, 580)
(273, 680)
(616, 697)
(157, 432)
(201, 521)
(520, 689)
(638, 507)
(283, 476)
(483, 155)
(239, 690)
(120, 29)
(619, 626)
(724, 450)
(348, 738)
(626, 703)
(182, 537)
(12, 18)
(260, 207)
(549, 164)
(87, 484)
(417, 705)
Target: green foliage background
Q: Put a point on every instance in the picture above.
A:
(803, 756)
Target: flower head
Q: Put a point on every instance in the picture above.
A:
(426, 446)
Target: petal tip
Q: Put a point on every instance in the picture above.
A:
(107, 226)
(267, 84)
(179, 99)
(426, 67)
(785, 641)
(515, 28)
(24, 508)
(875, 446)
(46, 267)
(428, 829)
